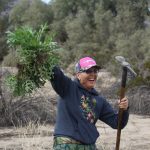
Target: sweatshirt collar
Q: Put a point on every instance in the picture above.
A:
(92, 91)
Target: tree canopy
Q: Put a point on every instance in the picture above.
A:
(99, 28)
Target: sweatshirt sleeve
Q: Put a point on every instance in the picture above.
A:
(110, 116)
(60, 82)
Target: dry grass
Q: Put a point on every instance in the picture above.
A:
(140, 100)
(19, 111)
(22, 111)
(29, 116)
(35, 136)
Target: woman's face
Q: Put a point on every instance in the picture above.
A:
(88, 78)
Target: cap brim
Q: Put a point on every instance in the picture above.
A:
(95, 66)
(98, 67)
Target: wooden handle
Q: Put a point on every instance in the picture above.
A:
(122, 95)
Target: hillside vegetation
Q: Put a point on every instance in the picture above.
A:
(99, 28)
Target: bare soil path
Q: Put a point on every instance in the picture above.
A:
(136, 136)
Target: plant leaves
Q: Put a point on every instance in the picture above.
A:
(36, 55)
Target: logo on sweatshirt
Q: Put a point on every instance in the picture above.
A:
(87, 108)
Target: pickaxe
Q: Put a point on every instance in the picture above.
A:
(126, 70)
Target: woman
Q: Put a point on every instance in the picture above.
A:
(80, 106)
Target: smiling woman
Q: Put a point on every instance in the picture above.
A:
(80, 106)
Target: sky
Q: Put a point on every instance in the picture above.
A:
(46, 1)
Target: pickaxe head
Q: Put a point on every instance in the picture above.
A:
(125, 64)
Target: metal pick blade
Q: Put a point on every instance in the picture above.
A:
(120, 59)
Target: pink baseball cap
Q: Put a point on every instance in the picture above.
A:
(85, 64)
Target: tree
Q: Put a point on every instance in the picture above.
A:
(32, 13)
(131, 35)
(3, 27)
(2, 4)
(130, 15)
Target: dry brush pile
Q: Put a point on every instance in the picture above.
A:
(19, 111)
(140, 100)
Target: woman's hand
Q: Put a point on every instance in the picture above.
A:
(123, 103)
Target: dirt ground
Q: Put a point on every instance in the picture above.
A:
(136, 136)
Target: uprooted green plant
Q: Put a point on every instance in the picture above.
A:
(36, 56)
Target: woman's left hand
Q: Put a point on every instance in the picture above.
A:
(123, 103)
